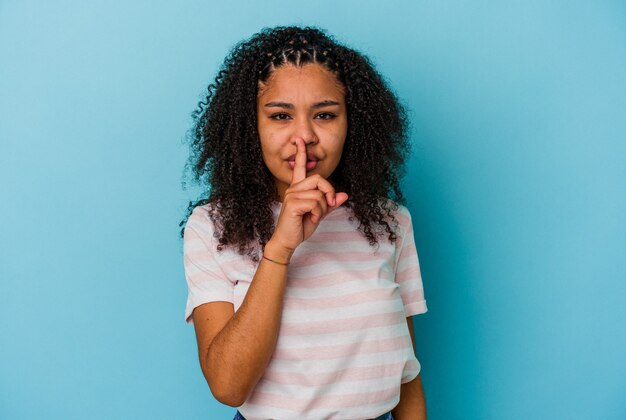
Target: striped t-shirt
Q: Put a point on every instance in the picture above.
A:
(344, 347)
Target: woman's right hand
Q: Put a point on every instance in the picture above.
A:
(305, 203)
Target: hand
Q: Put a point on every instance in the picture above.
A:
(305, 203)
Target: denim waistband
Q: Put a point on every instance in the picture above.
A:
(386, 416)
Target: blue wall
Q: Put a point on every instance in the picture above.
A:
(516, 186)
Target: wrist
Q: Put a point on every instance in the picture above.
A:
(277, 252)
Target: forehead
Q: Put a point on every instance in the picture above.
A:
(312, 81)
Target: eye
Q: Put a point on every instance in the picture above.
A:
(279, 116)
(325, 116)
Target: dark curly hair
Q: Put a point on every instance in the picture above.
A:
(226, 152)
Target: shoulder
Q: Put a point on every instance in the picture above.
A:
(400, 221)
(201, 222)
(201, 212)
(403, 215)
(399, 211)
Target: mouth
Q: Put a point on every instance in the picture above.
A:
(311, 161)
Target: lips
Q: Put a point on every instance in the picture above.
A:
(311, 161)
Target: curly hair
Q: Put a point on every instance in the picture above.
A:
(226, 153)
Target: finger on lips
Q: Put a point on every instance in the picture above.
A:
(299, 169)
(300, 182)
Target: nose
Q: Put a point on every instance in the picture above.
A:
(304, 130)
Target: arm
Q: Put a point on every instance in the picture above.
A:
(236, 347)
(412, 405)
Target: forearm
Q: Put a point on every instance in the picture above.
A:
(412, 405)
(239, 354)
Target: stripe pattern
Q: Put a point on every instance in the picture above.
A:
(344, 347)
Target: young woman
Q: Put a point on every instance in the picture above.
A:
(301, 264)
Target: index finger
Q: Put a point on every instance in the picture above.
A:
(299, 169)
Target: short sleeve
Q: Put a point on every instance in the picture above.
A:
(408, 274)
(206, 280)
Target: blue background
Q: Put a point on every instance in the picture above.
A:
(516, 186)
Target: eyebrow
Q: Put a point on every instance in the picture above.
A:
(287, 105)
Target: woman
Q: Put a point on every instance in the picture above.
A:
(301, 265)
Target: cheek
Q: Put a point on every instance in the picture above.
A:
(339, 152)
(340, 141)
(268, 147)
(266, 142)
(342, 133)
(271, 155)
(268, 154)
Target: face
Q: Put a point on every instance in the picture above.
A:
(306, 102)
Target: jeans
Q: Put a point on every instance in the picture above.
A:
(386, 416)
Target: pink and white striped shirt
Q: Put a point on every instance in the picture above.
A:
(344, 347)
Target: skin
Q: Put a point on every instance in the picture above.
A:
(301, 113)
